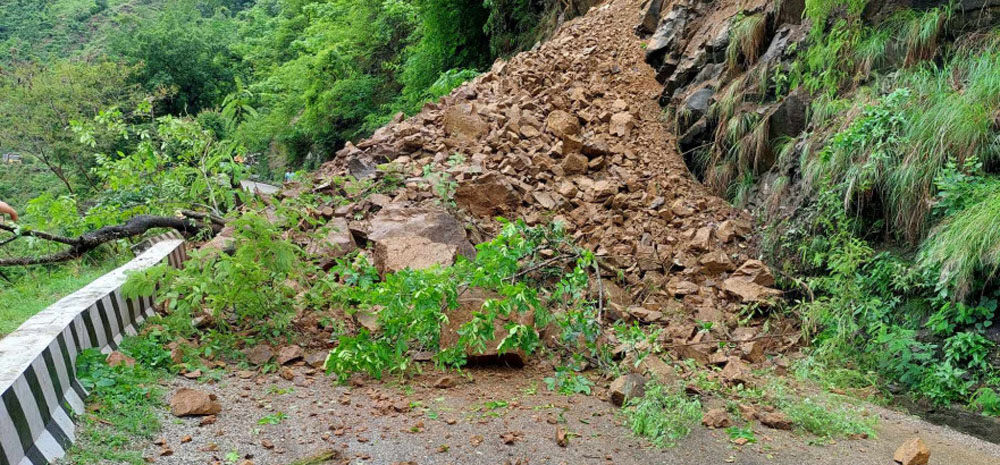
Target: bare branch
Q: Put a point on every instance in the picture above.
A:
(91, 240)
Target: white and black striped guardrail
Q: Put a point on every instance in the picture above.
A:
(38, 385)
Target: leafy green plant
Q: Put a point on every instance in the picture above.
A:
(986, 400)
(272, 419)
(442, 182)
(412, 305)
(568, 382)
(124, 402)
(664, 415)
(249, 289)
(746, 37)
(745, 433)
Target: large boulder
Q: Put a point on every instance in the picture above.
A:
(622, 124)
(416, 237)
(469, 303)
(749, 291)
(394, 254)
(563, 124)
(463, 122)
(912, 452)
(487, 196)
(627, 387)
(756, 272)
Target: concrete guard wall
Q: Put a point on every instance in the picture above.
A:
(38, 386)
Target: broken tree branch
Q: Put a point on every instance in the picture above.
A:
(78, 246)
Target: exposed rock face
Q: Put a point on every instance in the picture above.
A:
(649, 17)
(688, 50)
(192, 402)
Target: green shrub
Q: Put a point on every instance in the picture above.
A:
(123, 403)
(664, 415)
(249, 290)
(411, 305)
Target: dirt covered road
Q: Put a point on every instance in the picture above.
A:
(492, 416)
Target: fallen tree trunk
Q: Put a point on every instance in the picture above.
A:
(78, 246)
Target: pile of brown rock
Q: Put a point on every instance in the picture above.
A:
(568, 132)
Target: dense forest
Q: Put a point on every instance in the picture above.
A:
(290, 80)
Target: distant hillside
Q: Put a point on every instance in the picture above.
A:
(32, 29)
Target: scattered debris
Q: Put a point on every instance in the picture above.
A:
(561, 437)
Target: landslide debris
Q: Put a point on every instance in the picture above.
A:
(568, 132)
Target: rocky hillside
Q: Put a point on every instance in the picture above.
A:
(862, 138)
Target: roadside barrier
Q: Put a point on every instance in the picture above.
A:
(38, 385)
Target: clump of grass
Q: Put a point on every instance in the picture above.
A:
(923, 32)
(870, 52)
(122, 404)
(819, 10)
(826, 416)
(829, 418)
(966, 245)
(664, 415)
(747, 34)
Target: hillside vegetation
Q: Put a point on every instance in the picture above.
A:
(864, 137)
